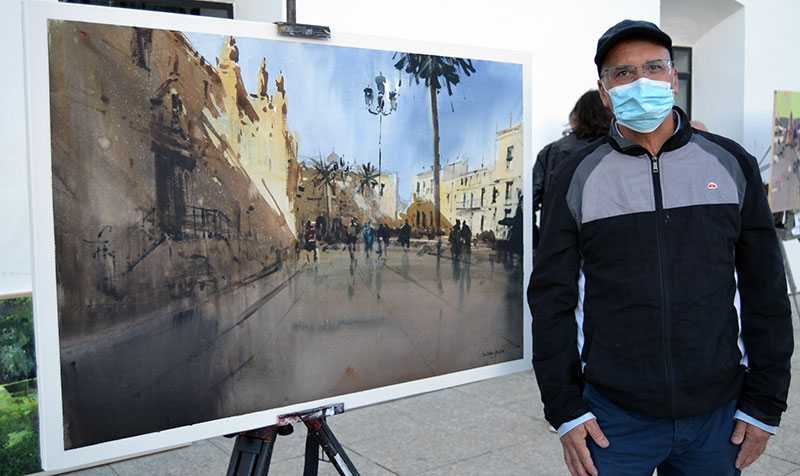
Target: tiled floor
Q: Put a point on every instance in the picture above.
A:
(487, 428)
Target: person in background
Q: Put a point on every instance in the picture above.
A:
(589, 120)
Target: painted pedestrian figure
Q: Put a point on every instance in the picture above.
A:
(405, 235)
(455, 240)
(383, 236)
(466, 239)
(369, 237)
(352, 237)
(310, 238)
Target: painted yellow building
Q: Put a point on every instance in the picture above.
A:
(423, 188)
(255, 125)
(420, 215)
(507, 183)
(473, 195)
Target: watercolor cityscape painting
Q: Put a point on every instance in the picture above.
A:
(243, 224)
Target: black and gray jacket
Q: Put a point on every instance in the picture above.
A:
(635, 279)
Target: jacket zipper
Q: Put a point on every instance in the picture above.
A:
(662, 267)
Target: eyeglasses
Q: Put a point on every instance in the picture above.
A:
(625, 73)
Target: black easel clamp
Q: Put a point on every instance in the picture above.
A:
(303, 31)
(314, 413)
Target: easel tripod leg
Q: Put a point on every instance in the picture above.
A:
(311, 466)
(252, 454)
(322, 434)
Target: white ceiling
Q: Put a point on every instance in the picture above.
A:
(687, 20)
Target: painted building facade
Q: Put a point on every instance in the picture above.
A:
(481, 197)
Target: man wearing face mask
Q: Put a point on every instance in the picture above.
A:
(642, 358)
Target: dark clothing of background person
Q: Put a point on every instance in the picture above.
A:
(589, 120)
(552, 154)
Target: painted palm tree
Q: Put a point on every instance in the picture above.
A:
(435, 71)
(367, 176)
(324, 175)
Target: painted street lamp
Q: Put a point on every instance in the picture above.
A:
(381, 109)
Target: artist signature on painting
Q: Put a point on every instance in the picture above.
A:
(494, 353)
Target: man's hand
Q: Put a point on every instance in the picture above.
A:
(753, 441)
(576, 452)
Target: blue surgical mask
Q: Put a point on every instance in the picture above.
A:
(643, 104)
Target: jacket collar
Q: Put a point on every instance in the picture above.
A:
(680, 138)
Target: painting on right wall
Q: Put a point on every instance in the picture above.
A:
(784, 183)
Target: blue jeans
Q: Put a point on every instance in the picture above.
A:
(639, 444)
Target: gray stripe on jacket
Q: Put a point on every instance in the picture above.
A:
(608, 183)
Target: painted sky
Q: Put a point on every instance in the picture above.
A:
(326, 109)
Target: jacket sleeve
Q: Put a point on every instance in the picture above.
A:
(553, 297)
(766, 324)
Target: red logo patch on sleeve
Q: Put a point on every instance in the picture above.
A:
(712, 185)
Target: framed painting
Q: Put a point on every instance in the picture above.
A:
(230, 225)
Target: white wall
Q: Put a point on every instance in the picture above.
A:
(15, 274)
(718, 77)
(769, 64)
(259, 10)
(738, 64)
(561, 35)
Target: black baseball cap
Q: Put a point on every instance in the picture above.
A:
(629, 29)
